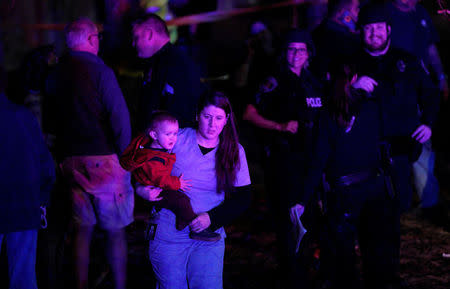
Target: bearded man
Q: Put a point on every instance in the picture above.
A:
(408, 99)
(408, 103)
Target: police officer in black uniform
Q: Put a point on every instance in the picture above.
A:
(287, 108)
(366, 148)
(407, 98)
(171, 78)
(358, 204)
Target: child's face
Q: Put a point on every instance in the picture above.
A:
(165, 135)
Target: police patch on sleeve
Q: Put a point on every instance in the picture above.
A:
(269, 84)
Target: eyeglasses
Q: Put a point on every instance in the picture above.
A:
(98, 35)
(293, 50)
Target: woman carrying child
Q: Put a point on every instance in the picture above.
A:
(150, 158)
(215, 163)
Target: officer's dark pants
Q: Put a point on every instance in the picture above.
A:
(362, 211)
(401, 178)
(285, 172)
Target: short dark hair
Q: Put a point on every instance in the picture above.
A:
(153, 21)
(157, 118)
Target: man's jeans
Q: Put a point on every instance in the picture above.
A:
(425, 182)
(21, 252)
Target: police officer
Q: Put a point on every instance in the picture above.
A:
(358, 205)
(407, 98)
(171, 79)
(287, 109)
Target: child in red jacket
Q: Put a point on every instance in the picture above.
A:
(150, 160)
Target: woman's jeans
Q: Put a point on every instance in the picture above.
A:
(180, 262)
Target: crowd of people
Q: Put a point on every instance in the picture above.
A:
(342, 114)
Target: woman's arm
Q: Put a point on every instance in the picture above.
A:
(238, 202)
(252, 115)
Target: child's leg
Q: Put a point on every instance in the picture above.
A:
(180, 205)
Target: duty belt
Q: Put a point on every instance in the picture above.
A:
(355, 178)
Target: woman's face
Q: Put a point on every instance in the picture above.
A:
(211, 121)
(297, 55)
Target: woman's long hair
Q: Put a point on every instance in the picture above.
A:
(345, 102)
(227, 154)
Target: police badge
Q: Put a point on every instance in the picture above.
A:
(401, 65)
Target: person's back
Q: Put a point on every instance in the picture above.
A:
(348, 151)
(82, 127)
(336, 38)
(92, 128)
(357, 150)
(335, 45)
(347, 144)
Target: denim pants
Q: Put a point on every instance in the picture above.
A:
(180, 262)
(21, 252)
(426, 184)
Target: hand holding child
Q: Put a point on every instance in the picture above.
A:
(185, 185)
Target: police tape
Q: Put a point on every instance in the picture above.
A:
(222, 15)
(207, 17)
